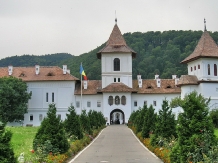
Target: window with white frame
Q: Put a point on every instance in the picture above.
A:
(123, 100)
(145, 102)
(40, 117)
(98, 103)
(46, 96)
(31, 117)
(77, 104)
(135, 103)
(154, 103)
(88, 104)
(52, 96)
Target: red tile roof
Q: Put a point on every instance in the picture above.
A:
(149, 87)
(93, 87)
(188, 80)
(116, 43)
(206, 48)
(47, 73)
(118, 87)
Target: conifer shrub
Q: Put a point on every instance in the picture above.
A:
(72, 124)
(191, 123)
(85, 122)
(139, 121)
(148, 122)
(165, 126)
(51, 134)
(6, 152)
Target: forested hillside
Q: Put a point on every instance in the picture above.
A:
(32, 60)
(157, 53)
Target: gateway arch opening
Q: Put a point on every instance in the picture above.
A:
(117, 116)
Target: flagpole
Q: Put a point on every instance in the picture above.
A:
(81, 91)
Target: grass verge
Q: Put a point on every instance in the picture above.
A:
(22, 139)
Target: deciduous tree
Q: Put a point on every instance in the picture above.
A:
(13, 99)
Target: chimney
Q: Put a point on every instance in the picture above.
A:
(156, 76)
(10, 70)
(68, 71)
(64, 69)
(176, 81)
(158, 82)
(173, 76)
(139, 81)
(37, 69)
(85, 84)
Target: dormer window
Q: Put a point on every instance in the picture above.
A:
(116, 64)
(50, 74)
(168, 87)
(149, 87)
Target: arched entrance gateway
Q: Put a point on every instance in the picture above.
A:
(117, 116)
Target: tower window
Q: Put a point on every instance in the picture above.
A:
(208, 69)
(118, 79)
(198, 66)
(115, 80)
(116, 64)
(194, 67)
(215, 70)
(191, 69)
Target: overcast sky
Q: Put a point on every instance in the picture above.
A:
(41, 27)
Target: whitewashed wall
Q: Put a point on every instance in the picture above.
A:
(202, 73)
(125, 73)
(107, 109)
(37, 105)
(91, 98)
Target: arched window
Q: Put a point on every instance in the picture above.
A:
(208, 68)
(117, 100)
(123, 100)
(116, 64)
(191, 69)
(194, 67)
(110, 100)
(215, 70)
(198, 66)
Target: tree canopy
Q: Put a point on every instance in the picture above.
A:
(13, 99)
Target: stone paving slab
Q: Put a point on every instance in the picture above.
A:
(116, 144)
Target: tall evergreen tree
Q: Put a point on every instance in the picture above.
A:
(149, 122)
(139, 119)
(191, 123)
(72, 123)
(85, 122)
(52, 130)
(6, 152)
(165, 123)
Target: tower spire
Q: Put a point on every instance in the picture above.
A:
(205, 29)
(115, 17)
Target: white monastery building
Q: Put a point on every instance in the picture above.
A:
(117, 95)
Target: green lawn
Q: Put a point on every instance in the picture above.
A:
(216, 132)
(22, 139)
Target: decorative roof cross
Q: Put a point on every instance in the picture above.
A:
(205, 29)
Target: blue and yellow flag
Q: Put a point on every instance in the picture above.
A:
(82, 72)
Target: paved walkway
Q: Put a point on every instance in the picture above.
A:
(116, 144)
